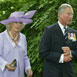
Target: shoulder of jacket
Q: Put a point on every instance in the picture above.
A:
(73, 30)
(1, 33)
(52, 27)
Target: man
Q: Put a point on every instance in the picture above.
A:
(58, 45)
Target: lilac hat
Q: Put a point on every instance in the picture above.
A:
(19, 16)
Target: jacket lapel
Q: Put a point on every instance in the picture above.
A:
(59, 32)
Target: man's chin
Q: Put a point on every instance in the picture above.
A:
(68, 23)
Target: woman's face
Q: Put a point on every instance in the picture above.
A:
(16, 26)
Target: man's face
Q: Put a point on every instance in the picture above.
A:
(66, 17)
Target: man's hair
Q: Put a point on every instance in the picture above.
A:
(63, 7)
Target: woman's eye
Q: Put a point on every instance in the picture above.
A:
(20, 22)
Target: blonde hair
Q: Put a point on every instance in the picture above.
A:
(8, 26)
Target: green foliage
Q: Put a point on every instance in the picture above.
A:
(46, 15)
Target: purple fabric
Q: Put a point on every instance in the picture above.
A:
(17, 14)
(9, 51)
(19, 17)
(10, 20)
(29, 14)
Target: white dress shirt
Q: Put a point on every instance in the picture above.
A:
(61, 60)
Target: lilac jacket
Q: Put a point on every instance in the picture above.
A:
(10, 51)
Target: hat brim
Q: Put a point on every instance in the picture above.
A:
(11, 20)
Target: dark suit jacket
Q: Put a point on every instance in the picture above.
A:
(50, 50)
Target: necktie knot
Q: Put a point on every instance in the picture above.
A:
(65, 29)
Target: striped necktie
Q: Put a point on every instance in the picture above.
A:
(66, 34)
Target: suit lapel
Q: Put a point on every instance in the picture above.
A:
(59, 32)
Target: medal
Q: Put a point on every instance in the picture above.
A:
(72, 36)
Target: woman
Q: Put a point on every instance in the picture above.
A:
(13, 46)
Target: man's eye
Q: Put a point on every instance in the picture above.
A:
(70, 13)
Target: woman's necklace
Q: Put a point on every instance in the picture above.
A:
(13, 37)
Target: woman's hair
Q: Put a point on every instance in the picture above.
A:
(63, 7)
(9, 26)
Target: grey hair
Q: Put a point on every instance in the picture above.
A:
(8, 26)
(63, 7)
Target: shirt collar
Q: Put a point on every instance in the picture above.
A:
(61, 26)
(12, 43)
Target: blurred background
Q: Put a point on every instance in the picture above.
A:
(47, 14)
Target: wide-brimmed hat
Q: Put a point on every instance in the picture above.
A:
(19, 16)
